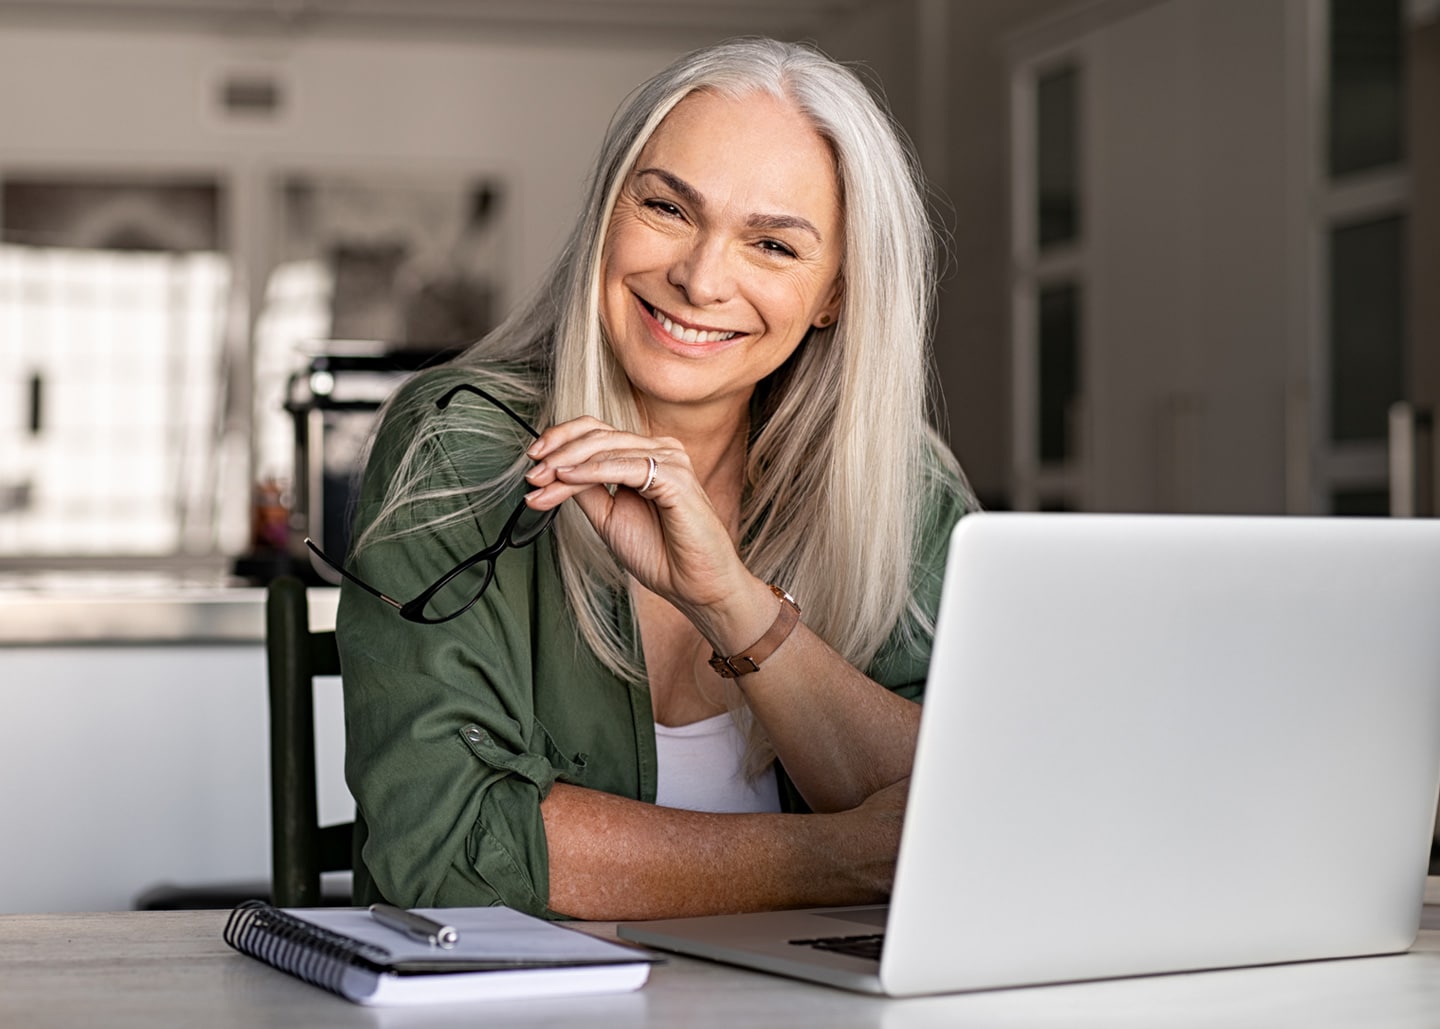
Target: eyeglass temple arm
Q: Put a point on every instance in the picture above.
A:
(465, 387)
(355, 579)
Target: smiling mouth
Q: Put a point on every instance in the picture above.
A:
(687, 334)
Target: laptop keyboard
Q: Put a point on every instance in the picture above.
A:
(865, 946)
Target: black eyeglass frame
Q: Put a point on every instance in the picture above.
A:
(414, 610)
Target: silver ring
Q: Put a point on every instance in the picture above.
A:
(650, 479)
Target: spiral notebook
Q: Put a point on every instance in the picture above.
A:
(501, 954)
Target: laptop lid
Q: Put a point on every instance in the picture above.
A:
(1161, 743)
(1150, 744)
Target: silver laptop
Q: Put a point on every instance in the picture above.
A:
(1149, 744)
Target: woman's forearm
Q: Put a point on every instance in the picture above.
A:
(612, 858)
(840, 735)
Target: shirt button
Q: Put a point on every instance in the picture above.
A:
(474, 734)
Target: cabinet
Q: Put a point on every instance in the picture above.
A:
(1235, 330)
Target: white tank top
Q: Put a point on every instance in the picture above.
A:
(700, 769)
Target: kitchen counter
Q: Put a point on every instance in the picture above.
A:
(129, 610)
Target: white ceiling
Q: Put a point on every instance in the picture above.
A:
(649, 18)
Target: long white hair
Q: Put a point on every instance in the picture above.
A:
(842, 451)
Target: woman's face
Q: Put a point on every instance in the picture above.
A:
(723, 250)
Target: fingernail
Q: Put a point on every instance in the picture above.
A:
(536, 449)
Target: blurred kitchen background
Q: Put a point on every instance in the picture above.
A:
(1186, 249)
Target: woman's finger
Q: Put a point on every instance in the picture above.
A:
(571, 442)
(586, 452)
(564, 432)
(651, 473)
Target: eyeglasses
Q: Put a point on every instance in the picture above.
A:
(456, 591)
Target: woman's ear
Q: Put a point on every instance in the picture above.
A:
(831, 311)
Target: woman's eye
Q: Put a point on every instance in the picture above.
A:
(665, 207)
(774, 246)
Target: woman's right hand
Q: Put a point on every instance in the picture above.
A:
(669, 537)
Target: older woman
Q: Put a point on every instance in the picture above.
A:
(629, 716)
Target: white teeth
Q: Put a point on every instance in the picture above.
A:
(690, 335)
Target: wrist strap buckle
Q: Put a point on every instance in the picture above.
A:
(748, 660)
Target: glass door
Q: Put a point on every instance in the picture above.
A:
(1048, 293)
(1364, 234)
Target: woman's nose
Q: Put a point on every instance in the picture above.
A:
(702, 272)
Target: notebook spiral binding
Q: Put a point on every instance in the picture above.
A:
(307, 951)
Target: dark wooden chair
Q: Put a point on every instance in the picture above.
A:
(301, 847)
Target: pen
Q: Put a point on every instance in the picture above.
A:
(418, 926)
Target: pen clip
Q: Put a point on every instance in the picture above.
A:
(416, 925)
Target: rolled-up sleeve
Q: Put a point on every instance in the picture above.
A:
(449, 789)
(444, 755)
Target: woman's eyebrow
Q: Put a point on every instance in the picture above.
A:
(782, 221)
(686, 192)
(692, 196)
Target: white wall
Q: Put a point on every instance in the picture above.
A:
(532, 112)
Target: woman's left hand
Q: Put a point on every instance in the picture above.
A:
(670, 538)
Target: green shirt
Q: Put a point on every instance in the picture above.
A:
(456, 732)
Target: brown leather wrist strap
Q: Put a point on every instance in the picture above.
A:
(749, 659)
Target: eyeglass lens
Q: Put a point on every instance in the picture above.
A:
(461, 587)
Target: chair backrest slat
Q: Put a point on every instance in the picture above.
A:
(301, 848)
